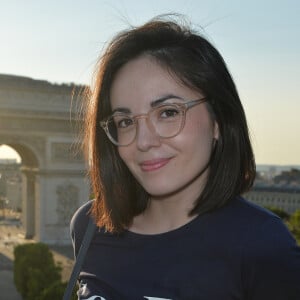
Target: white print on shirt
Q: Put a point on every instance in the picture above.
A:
(154, 298)
(146, 297)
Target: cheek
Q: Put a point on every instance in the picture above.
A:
(197, 139)
(201, 131)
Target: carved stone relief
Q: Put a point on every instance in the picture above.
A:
(67, 202)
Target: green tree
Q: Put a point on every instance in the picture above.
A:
(279, 212)
(56, 291)
(294, 225)
(34, 270)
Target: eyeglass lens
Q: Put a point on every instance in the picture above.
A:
(166, 121)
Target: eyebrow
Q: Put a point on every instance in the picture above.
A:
(121, 110)
(153, 103)
(163, 99)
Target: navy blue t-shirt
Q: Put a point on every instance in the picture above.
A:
(239, 252)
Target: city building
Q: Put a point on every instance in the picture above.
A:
(281, 190)
(283, 197)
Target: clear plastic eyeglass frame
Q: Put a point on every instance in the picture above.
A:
(180, 107)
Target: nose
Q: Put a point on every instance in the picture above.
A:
(146, 136)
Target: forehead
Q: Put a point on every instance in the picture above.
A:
(142, 81)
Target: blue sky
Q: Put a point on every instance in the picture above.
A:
(60, 41)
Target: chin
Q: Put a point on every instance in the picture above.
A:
(160, 190)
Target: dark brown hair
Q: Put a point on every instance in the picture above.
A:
(191, 58)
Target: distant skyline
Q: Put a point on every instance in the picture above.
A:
(60, 41)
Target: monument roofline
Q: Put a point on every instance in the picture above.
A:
(19, 94)
(16, 82)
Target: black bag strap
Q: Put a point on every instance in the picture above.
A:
(89, 233)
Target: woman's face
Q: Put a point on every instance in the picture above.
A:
(163, 166)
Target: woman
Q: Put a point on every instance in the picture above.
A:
(170, 155)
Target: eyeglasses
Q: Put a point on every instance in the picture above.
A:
(167, 120)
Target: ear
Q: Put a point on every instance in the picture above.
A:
(216, 130)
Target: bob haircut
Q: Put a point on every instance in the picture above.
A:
(198, 65)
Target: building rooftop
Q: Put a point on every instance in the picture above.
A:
(281, 188)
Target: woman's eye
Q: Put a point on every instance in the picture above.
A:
(124, 123)
(169, 113)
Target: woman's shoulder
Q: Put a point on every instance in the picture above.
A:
(245, 211)
(81, 216)
(79, 223)
(251, 222)
(269, 253)
(262, 230)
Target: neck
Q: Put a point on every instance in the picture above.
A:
(160, 218)
(168, 212)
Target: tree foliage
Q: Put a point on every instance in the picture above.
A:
(294, 225)
(56, 291)
(281, 213)
(34, 270)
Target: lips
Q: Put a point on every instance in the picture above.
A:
(154, 164)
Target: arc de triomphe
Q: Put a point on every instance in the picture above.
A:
(37, 121)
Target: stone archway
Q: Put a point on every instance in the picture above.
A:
(37, 121)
